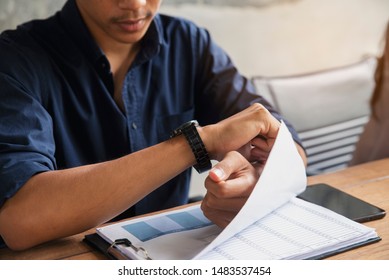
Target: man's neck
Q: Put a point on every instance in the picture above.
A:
(120, 60)
(120, 56)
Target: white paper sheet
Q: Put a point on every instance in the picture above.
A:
(283, 178)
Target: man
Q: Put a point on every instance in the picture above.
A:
(89, 98)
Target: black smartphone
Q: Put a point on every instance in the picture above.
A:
(342, 203)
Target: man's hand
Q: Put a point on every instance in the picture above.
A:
(238, 131)
(252, 132)
(229, 184)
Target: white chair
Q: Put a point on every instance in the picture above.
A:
(328, 109)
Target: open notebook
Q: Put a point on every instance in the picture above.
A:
(273, 224)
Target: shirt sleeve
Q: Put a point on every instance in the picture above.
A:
(26, 137)
(224, 87)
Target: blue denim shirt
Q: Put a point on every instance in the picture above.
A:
(56, 98)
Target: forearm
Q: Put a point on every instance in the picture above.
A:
(61, 203)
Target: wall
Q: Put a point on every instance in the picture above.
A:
(293, 36)
(14, 12)
(265, 37)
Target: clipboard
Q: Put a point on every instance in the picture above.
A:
(111, 250)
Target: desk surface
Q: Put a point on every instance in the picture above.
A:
(368, 181)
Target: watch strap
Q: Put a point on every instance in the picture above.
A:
(198, 149)
(189, 129)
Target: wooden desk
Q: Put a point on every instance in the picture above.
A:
(369, 182)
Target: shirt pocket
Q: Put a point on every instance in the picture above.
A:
(166, 124)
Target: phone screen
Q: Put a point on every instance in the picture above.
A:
(342, 203)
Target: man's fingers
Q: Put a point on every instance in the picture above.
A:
(233, 204)
(220, 218)
(263, 144)
(224, 169)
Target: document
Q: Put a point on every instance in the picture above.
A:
(273, 224)
(297, 230)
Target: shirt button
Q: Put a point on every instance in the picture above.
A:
(134, 126)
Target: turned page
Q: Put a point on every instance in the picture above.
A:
(282, 179)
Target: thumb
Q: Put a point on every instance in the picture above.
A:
(233, 161)
(217, 174)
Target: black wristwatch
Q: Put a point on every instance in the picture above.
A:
(189, 130)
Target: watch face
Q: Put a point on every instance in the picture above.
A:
(178, 131)
(189, 123)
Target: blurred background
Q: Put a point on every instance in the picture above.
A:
(264, 37)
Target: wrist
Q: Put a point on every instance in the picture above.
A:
(205, 133)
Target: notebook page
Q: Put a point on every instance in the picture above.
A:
(283, 178)
(296, 230)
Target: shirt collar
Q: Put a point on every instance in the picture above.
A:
(77, 29)
(75, 25)
(153, 38)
